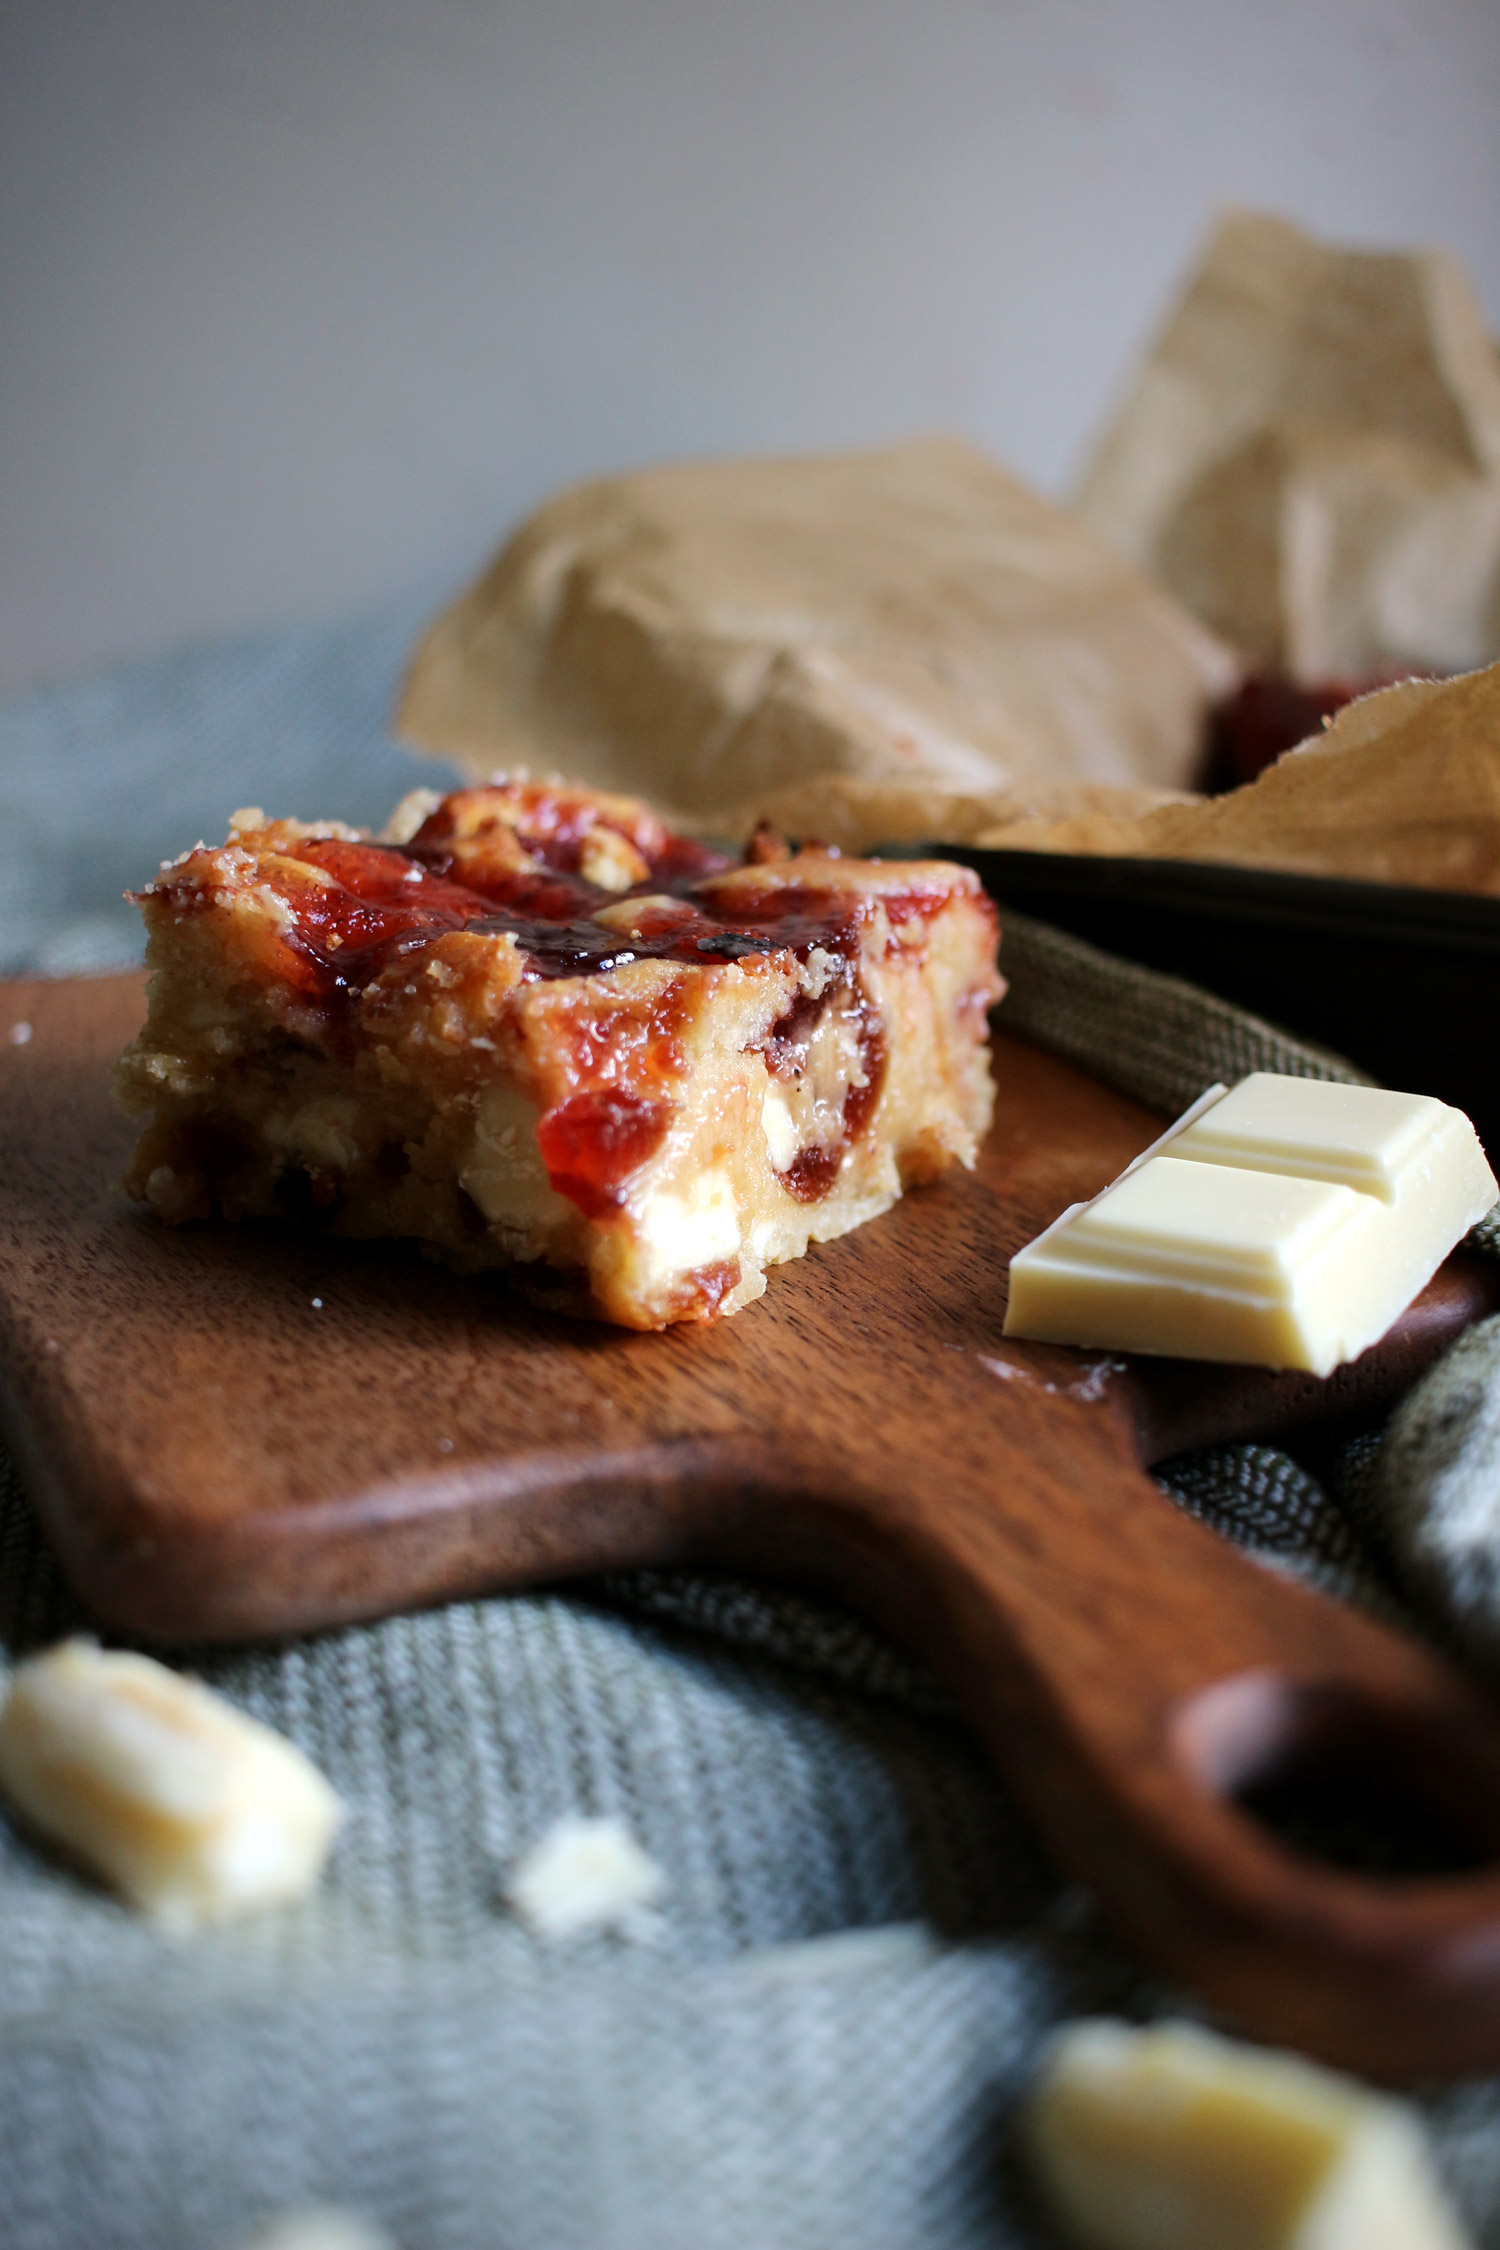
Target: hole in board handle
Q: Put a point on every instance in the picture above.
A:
(1344, 1780)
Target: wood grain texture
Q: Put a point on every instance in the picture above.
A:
(235, 1431)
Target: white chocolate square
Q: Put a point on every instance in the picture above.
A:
(1368, 1137)
(1287, 1224)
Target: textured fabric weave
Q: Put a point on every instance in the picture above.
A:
(860, 1948)
(1432, 1495)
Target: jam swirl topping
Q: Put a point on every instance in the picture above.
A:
(511, 861)
(369, 905)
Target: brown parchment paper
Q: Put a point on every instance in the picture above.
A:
(909, 625)
(1309, 457)
(1402, 787)
(855, 814)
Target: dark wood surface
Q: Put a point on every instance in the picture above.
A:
(215, 1454)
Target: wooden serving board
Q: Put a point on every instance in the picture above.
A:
(239, 1431)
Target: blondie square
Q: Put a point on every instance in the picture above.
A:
(528, 1027)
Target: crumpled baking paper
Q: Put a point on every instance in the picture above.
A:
(909, 625)
(1309, 457)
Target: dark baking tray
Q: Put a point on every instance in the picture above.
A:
(1404, 982)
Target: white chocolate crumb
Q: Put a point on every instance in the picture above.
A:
(584, 1875)
(194, 1812)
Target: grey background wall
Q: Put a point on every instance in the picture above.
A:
(303, 301)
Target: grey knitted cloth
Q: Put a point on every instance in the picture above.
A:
(860, 1948)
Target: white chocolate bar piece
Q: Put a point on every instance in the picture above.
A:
(1173, 2138)
(1286, 1224)
(193, 1811)
(1397, 1147)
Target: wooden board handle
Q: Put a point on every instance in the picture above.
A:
(1145, 1688)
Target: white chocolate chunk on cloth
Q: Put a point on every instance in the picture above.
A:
(318, 2226)
(1173, 2138)
(192, 1811)
(585, 1875)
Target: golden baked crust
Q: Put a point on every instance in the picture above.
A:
(531, 1028)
